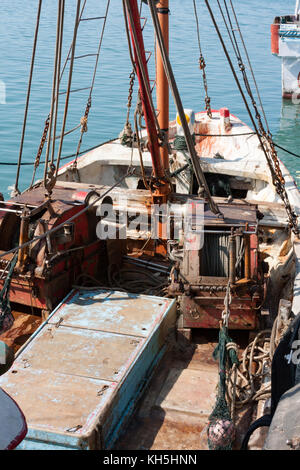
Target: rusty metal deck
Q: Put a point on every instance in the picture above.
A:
(174, 413)
(79, 377)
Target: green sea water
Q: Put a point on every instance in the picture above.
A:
(107, 116)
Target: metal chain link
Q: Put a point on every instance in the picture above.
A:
(202, 66)
(130, 94)
(227, 303)
(40, 149)
(84, 128)
(126, 136)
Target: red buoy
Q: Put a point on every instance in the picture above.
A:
(275, 38)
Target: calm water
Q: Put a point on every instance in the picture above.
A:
(17, 22)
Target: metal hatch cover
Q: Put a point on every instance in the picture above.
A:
(76, 379)
(111, 311)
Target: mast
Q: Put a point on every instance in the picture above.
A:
(144, 86)
(297, 7)
(162, 86)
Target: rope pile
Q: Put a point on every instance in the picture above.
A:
(241, 382)
(246, 383)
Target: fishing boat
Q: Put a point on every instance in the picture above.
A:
(152, 269)
(285, 34)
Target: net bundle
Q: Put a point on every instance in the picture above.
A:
(221, 429)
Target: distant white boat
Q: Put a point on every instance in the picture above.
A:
(285, 32)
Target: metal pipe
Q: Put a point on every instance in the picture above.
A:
(247, 257)
(148, 264)
(297, 7)
(24, 237)
(162, 86)
(14, 211)
(232, 258)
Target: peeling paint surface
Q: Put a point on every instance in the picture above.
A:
(110, 311)
(79, 376)
(68, 408)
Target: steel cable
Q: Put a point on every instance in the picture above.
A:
(16, 190)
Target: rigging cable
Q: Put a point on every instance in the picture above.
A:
(287, 151)
(173, 86)
(250, 66)
(277, 177)
(58, 78)
(202, 65)
(126, 135)
(16, 189)
(71, 46)
(62, 158)
(46, 128)
(66, 157)
(84, 119)
(143, 71)
(48, 172)
(69, 85)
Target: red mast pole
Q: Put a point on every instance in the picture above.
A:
(161, 186)
(162, 86)
(144, 84)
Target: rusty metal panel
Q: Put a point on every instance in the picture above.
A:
(233, 215)
(207, 313)
(76, 379)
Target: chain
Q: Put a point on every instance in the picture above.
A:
(86, 115)
(277, 176)
(227, 303)
(130, 94)
(41, 147)
(126, 136)
(84, 128)
(202, 66)
(43, 140)
(271, 154)
(50, 180)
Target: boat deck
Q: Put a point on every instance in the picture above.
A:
(175, 409)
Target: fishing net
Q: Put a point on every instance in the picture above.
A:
(221, 430)
(6, 317)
